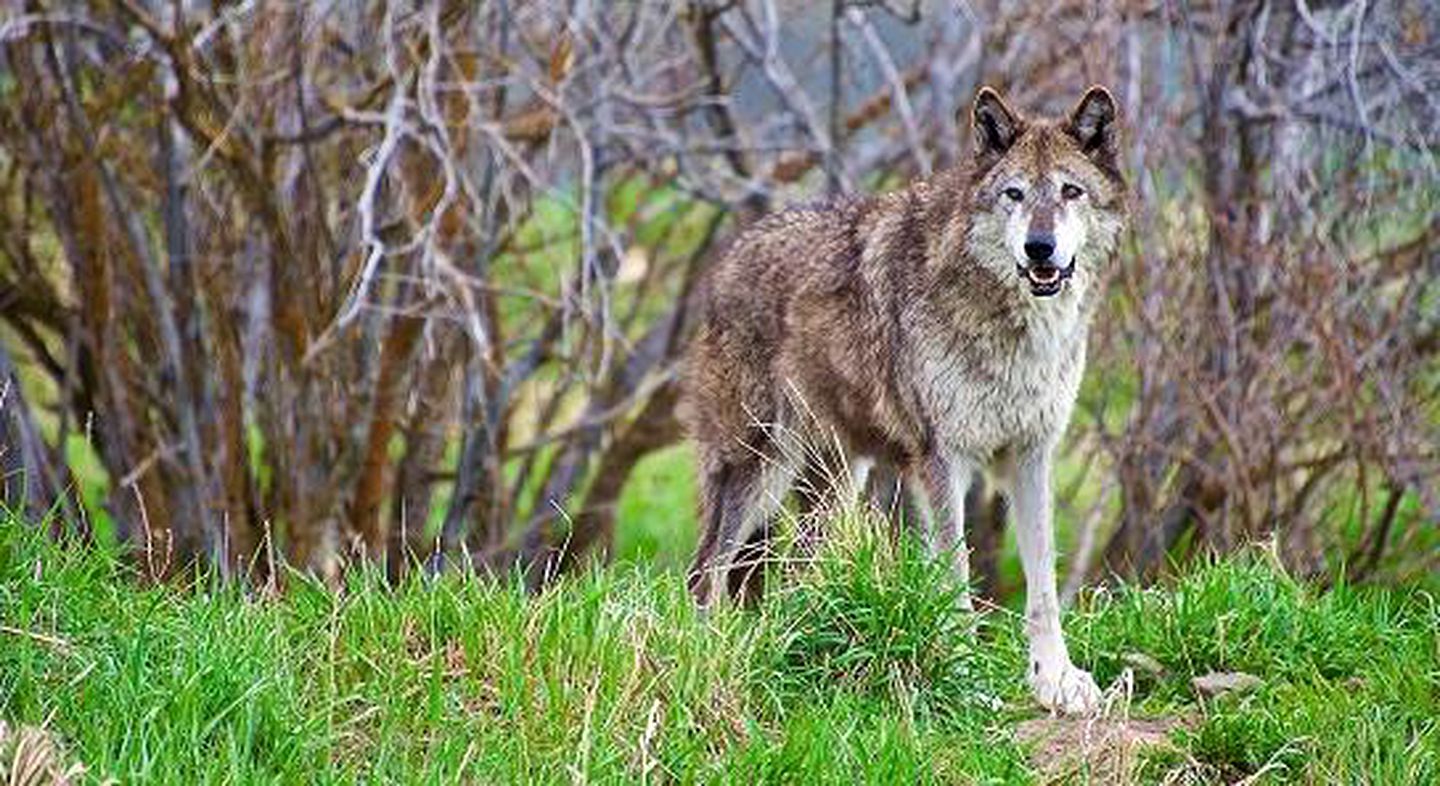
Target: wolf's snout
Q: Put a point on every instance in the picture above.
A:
(1041, 269)
(1039, 248)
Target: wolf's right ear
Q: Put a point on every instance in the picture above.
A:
(995, 127)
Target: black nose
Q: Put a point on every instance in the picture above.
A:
(1040, 247)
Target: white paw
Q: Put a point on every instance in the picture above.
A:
(1063, 688)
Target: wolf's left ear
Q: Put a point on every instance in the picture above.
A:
(1093, 124)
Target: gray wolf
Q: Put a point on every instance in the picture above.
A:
(940, 328)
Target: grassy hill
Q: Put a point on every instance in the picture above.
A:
(859, 670)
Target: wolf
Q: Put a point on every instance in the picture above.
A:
(940, 328)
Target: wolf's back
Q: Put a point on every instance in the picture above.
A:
(799, 248)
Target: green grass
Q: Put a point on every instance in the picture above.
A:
(657, 508)
(859, 670)
(1352, 675)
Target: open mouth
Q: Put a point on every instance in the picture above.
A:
(1045, 279)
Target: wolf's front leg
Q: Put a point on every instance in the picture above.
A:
(943, 482)
(1057, 683)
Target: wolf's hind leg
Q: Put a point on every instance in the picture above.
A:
(737, 499)
(746, 578)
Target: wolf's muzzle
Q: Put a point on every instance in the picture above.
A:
(1046, 278)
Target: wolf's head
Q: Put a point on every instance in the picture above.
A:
(1047, 199)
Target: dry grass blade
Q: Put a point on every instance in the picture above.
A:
(31, 757)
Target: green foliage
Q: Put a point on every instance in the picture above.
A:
(883, 621)
(857, 669)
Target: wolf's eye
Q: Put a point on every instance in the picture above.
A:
(1013, 194)
(1071, 191)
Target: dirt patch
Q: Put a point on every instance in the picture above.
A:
(1093, 750)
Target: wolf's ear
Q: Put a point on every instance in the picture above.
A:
(1093, 125)
(996, 128)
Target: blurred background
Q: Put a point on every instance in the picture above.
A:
(328, 283)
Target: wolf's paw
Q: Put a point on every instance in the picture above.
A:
(1065, 689)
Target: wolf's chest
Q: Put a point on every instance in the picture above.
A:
(984, 396)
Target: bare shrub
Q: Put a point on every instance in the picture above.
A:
(410, 280)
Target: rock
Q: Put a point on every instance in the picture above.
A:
(1218, 682)
(1143, 664)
